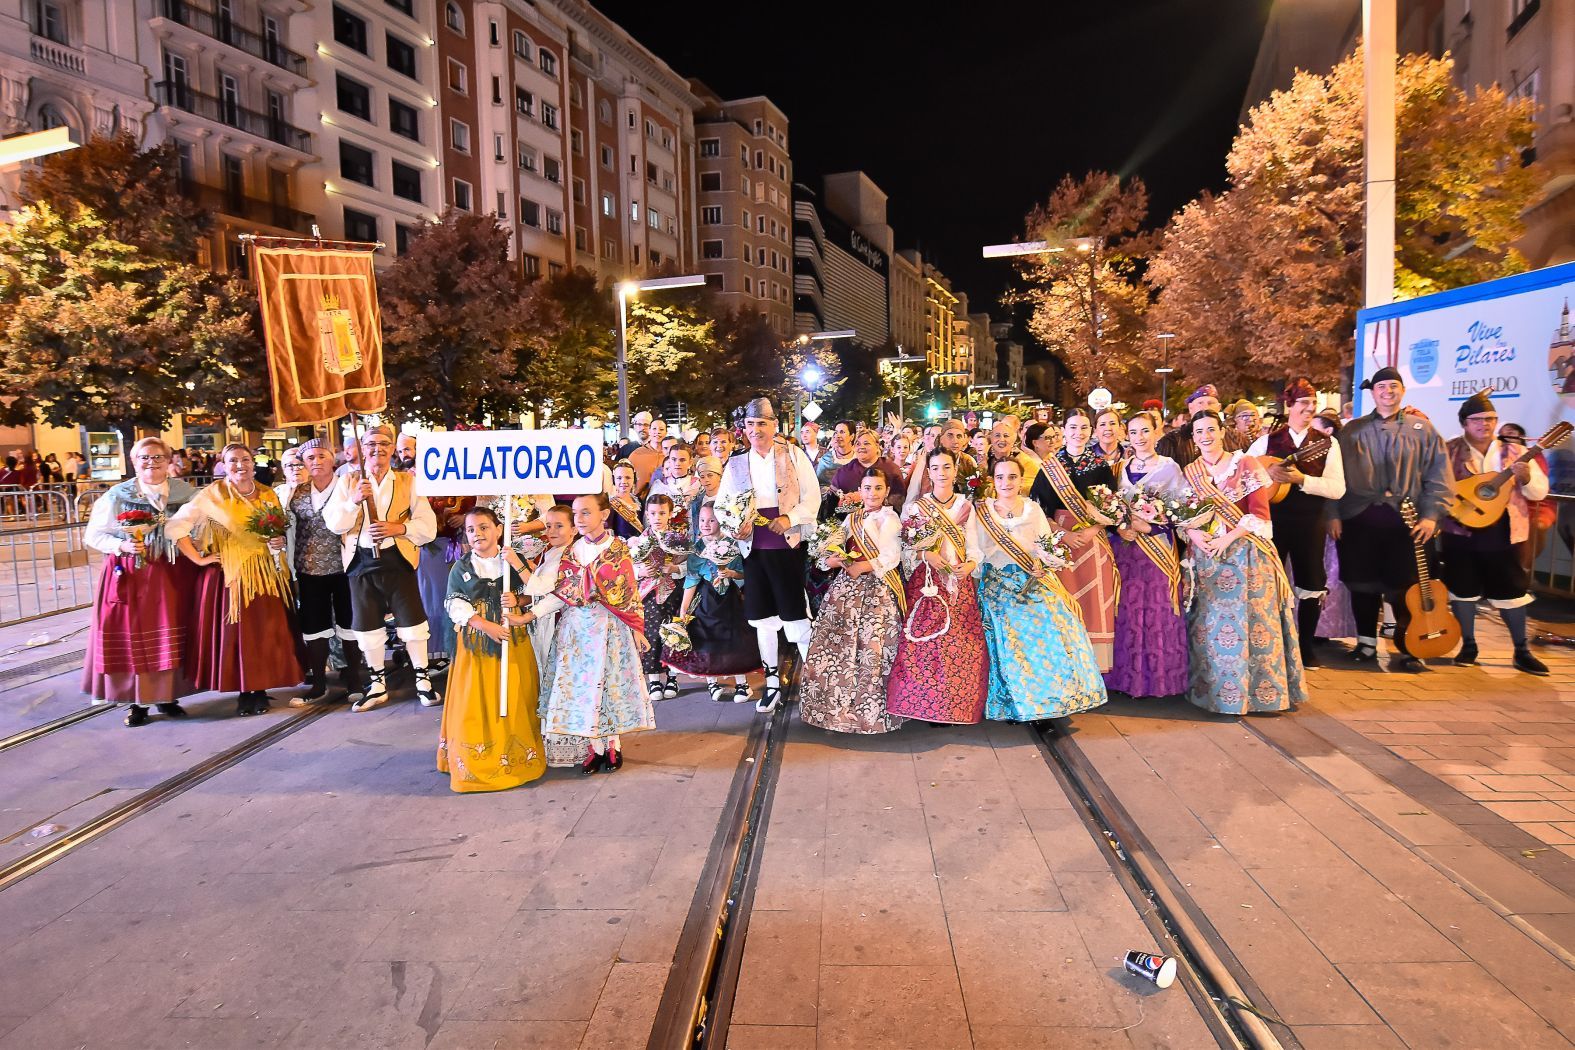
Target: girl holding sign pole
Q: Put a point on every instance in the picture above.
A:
(480, 748)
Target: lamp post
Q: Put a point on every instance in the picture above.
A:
(626, 290)
(811, 376)
(1164, 371)
(900, 359)
(15, 149)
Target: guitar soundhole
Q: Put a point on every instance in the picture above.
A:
(1487, 491)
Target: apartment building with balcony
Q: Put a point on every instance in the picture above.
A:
(905, 287)
(841, 258)
(69, 63)
(744, 204)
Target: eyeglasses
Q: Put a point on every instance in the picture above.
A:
(150, 459)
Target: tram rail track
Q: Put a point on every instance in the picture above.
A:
(54, 725)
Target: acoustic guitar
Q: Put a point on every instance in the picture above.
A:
(1312, 451)
(1481, 499)
(1433, 630)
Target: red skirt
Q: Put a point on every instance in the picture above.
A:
(256, 653)
(140, 632)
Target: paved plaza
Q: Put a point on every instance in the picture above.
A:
(1391, 866)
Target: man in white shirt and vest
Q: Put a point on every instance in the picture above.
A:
(381, 523)
(787, 495)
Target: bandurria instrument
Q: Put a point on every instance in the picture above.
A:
(1481, 499)
(1433, 630)
(1315, 449)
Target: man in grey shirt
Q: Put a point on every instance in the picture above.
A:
(1389, 456)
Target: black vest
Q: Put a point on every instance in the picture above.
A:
(1298, 500)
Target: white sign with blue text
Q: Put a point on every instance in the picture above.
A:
(509, 463)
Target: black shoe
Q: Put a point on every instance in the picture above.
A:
(1467, 656)
(1404, 663)
(614, 758)
(1364, 654)
(1524, 661)
(593, 763)
(1310, 658)
(137, 716)
(173, 710)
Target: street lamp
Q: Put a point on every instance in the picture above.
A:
(625, 291)
(1164, 371)
(811, 376)
(901, 359)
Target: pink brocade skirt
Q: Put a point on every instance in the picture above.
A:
(139, 636)
(256, 653)
(945, 679)
(1091, 581)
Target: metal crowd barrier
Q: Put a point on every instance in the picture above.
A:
(45, 569)
(1553, 568)
(41, 504)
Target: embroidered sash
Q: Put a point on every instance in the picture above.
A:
(1197, 475)
(632, 517)
(1077, 506)
(1020, 554)
(891, 577)
(945, 526)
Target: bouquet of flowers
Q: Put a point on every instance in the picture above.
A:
(919, 534)
(721, 553)
(675, 635)
(680, 520)
(734, 510)
(1106, 507)
(137, 524)
(829, 541)
(641, 547)
(531, 548)
(973, 487)
(268, 521)
(1054, 553)
(675, 548)
(1147, 505)
(1190, 510)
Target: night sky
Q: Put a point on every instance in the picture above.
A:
(967, 114)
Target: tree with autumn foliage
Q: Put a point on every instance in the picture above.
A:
(1085, 295)
(1264, 280)
(460, 324)
(578, 363)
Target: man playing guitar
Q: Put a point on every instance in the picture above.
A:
(1388, 455)
(1300, 520)
(1486, 562)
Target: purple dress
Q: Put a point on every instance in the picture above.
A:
(1151, 634)
(1336, 620)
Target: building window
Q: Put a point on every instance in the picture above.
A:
(607, 157)
(497, 91)
(349, 29)
(667, 139)
(655, 259)
(548, 62)
(51, 24)
(634, 212)
(549, 115)
(576, 95)
(667, 181)
(401, 56)
(521, 45)
(577, 141)
(502, 208)
(757, 125)
(554, 221)
(650, 172)
(527, 157)
(552, 169)
(459, 135)
(354, 98)
(497, 148)
(403, 120)
(402, 235)
(760, 159)
(523, 102)
(530, 212)
(609, 249)
(710, 249)
(407, 182)
(579, 191)
(749, 286)
(458, 77)
(454, 18)
(631, 120)
(461, 194)
(355, 163)
(359, 226)
(710, 181)
(531, 265)
(1527, 87)
(760, 224)
(711, 215)
(604, 111)
(554, 268)
(650, 130)
(580, 240)
(404, 7)
(492, 33)
(653, 218)
(710, 147)
(609, 206)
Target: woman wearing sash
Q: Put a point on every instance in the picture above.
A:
(1242, 623)
(1091, 579)
(138, 638)
(626, 523)
(244, 638)
(1041, 662)
(594, 689)
(1151, 633)
(480, 749)
(941, 670)
(855, 636)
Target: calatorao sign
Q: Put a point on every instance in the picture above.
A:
(509, 463)
(1512, 339)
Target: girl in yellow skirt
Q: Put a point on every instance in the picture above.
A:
(480, 749)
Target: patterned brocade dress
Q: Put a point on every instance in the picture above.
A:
(1092, 579)
(941, 671)
(479, 748)
(855, 636)
(1041, 662)
(1151, 632)
(1246, 658)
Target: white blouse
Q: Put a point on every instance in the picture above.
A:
(459, 610)
(884, 531)
(99, 535)
(1026, 527)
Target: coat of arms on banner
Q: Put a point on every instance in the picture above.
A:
(336, 335)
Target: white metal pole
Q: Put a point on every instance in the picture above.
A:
(623, 366)
(1378, 61)
(503, 662)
